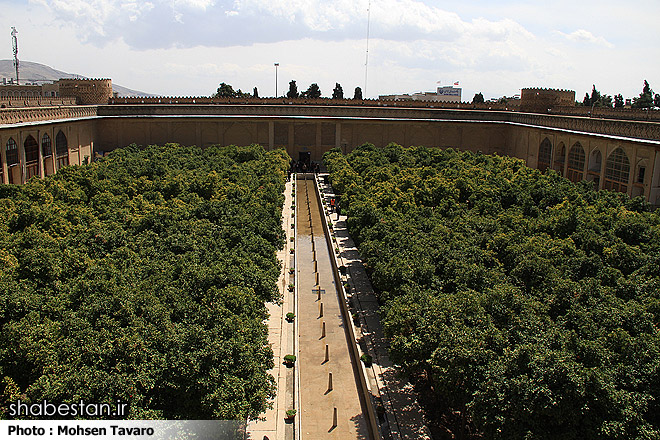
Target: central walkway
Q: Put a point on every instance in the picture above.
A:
(329, 400)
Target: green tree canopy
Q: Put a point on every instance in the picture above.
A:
(293, 90)
(143, 277)
(645, 99)
(478, 98)
(597, 99)
(312, 92)
(358, 93)
(225, 91)
(618, 101)
(337, 92)
(521, 305)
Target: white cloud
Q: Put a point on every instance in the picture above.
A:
(197, 4)
(584, 36)
(223, 23)
(496, 48)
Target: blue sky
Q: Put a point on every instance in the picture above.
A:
(187, 47)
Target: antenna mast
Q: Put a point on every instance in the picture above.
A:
(366, 63)
(14, 44)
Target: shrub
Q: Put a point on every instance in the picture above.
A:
(367, 359)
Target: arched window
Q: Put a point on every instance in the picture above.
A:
(61, 144)
(617, 171)
(61, 150)
(31, 149)
(576, 159)
(31, 157)
(46, 147)
(12, 152)
(595, 165)
(545, 155)
(560, 158)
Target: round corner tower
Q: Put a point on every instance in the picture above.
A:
(86, 91)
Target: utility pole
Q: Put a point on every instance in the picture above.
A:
(14, 44)
(276, 66)
(366, 62)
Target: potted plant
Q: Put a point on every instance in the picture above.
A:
(291, 287)
(366, 358)
(290, 414)
(342, 269)
(292, 270)
(289, 360)
(292, 251)
(290, 316)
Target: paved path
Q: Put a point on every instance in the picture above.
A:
(317, 400)
(400, 416)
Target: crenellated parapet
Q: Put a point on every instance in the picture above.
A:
(177, 100)
(10, 116)
(86, 91)
(35, 101)
(541, 100)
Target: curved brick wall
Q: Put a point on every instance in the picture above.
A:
(86, 91)
(542, 100)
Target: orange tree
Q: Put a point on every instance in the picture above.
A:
(143, 277)
(521, 305)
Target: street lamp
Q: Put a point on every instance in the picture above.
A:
(276, 66)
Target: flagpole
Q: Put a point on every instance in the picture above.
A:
(366, 62)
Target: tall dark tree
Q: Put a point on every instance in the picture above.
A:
(645, 99)
(595, 97)
(358, 93)
(586, 101)
(606, 100)
(313, 91)
(478, 98)
(656, 100)
(618, 101)
(255, 93)
(338, 92)
(293, 90)
(225, 91)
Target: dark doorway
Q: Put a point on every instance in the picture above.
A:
(304, 159)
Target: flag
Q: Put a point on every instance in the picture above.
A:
(456, 83)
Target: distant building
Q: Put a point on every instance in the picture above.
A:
(85, 91)
(442, 94)
(539, 100)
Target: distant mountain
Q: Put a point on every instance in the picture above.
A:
(35, 72)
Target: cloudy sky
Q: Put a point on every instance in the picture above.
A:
(188, 47)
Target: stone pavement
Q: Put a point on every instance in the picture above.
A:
(399, 416)
(322, 353)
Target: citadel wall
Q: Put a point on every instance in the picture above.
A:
(86, 91)
(303, 129)
(544, 100)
